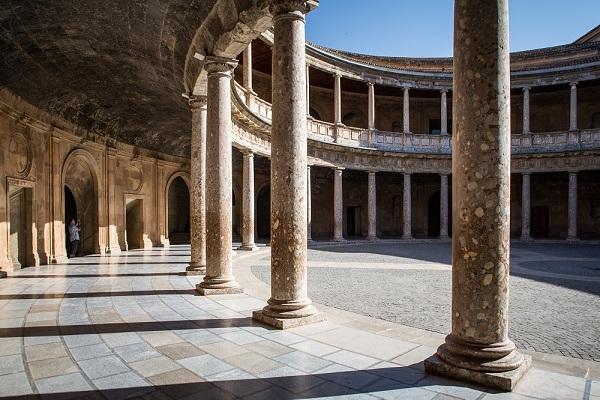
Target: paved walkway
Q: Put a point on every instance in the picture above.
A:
(132, 327)
(554, 302)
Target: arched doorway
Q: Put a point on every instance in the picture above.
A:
(263, 213)
(179, 212)
(80, 200)
(433, 215)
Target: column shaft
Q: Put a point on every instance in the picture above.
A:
(444, 113)
(372, 207)
(219, 277)
(198, 195)
(337, 99)
(526, 207)
(406, 209)
(479, 343)
(338, 205)
(289, 304)
(247, 68)
(526, 110)
(573, 107)
(572, 230)
(248, 202)
(406, 111)
(443, 206)
(371, 105)
(307, 90)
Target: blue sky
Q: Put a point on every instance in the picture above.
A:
(421, 28)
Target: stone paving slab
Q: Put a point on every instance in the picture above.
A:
(168, 343)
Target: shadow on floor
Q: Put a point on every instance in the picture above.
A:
(75, 295)
(97, 275)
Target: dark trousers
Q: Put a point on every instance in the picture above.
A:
(74, 248)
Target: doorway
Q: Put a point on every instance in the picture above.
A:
(70, 214)
(134, 224)
(21, 229)
(263, 213)
(179, 212)
(540, 221)
(353, 221)
(433, 215)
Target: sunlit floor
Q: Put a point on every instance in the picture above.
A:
(133, 327)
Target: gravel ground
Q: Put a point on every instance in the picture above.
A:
(547, 314)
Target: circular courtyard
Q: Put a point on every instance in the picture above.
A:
(554, 299)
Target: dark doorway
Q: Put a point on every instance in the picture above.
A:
(20, 234)
(263, 213)
(433, 215)
(353, 227)
(540, 222)
(134, 222)
(179, 212)
(70, 214)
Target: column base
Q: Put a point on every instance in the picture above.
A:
(444, 237)
(407, 237)
(572, 239)
(218, 285)
(114, 250)
(287, 323)
(339, 239)
(526, 239)
(372, 238)
(505, 381)
(247, 247)
(207, 291)
(194, 269)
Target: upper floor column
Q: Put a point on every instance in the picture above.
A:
(526, 112)
(247, 74)
(406, 111)
(371, 106)
(337, 98)
(573, 107)
(444, 112)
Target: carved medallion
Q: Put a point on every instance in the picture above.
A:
(135, 178)
(19, 154)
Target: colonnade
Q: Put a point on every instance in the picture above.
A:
(478, 347)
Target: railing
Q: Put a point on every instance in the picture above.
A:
(549, 142)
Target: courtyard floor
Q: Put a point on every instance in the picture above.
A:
(133, 327)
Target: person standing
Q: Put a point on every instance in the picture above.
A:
(74, 237)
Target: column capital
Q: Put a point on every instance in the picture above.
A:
(444, 90)
(337, 75)
(247, 153)
(215, 65)
(338, 169)
(372, 171)
(526, 173)
(573, 84)
(406, 88)
(197, 102)
(281, 7)
(526, 88)
(406, 174)
(573, 171)
(371, 84)
(446, 174)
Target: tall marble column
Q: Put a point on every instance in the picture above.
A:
(573, 107)
(406, 111)
(526, 207)
(337, 99)
(443, 206)
(572, 207)
(198, 182)
(478, 348)
(444, 112)
(248, 202)
(247, 74)
(372, 207)
(307, 90)
(338, 205)
(371, 105)
(289, 304)
(308, 206)
(219, 277)
(526, 112)
(406, 209)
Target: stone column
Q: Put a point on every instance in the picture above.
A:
(478, 348)
(248, 202)
(573, 107)
(308, 206)
(526, 110)
(114, 248)
(371, 105)
(406, 112)
(406, 209)
(372, 207)
(572, 207)
(526, 207)
(338, 205)
(444, 112)
(337, 99)
(289, 304)
(247, 74)
(219, 278)
(198, 184)
(307, 90)
(443, 206)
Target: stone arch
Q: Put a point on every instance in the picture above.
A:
(80, 175)
(177, 207)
